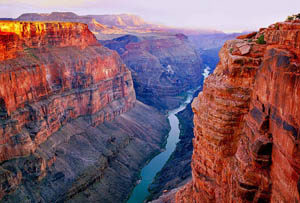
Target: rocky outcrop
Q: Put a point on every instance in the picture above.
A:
(163, 67)
(21, 36)
(50, 74)
(247, 122)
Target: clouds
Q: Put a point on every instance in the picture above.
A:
(214, 14)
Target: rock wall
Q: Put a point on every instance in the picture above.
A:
(50, 74)
(163, 67)
(89, 163)
(247, 122)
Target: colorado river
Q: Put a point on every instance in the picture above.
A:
(148, 173)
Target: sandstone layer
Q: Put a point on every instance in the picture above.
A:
(247, 122)
(50, 74)
(163, 67)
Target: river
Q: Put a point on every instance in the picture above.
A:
(148, 173)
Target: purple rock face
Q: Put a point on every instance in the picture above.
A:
(162, 66)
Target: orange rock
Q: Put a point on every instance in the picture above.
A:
(51, 73)
(247, 36)
(247, 123)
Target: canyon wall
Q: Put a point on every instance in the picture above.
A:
(51, 74)
(163, 67)
(163, 64)
(247, 122)
(85, 163)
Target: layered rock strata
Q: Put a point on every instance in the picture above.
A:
(50, 74)
(163, 67)
(86, 163)
(247, 122)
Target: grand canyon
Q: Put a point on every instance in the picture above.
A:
(111, 108)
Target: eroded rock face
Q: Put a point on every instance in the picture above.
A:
(247, 122)
(86, 163)
(51, 73)
(162, 67)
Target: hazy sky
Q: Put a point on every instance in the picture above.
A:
(226, 15)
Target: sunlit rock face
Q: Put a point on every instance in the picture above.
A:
(247, 122)
(52, 73)
(103, 26)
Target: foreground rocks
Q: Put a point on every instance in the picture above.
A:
(247, 122)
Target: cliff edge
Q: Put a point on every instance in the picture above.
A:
(246, 145)
(50, 74)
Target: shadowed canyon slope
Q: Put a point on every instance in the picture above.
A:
(247, 122)
(163, 67)
(62, 93)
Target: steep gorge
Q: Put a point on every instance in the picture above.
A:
(247, 122)
(163, 67)
(61, 94)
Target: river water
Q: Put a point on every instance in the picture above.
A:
(148, 173)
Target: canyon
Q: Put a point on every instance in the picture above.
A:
(61, 94)
(163, 67)
(154, 54)
(62, 89)
(82, 112)
(247, 122)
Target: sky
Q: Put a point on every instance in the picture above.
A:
(225, 15)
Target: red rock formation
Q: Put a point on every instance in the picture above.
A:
(51, 73)
(15, 35)
(247, 122)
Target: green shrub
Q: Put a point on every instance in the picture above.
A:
(289, 18)
(293, 17)
(261, 40)
(230, 50)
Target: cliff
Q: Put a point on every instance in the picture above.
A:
(51, 74)
(247, 122)
(163, 67)
(90, 163)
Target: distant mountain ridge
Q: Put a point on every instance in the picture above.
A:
(112, 26)
(101, 25)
